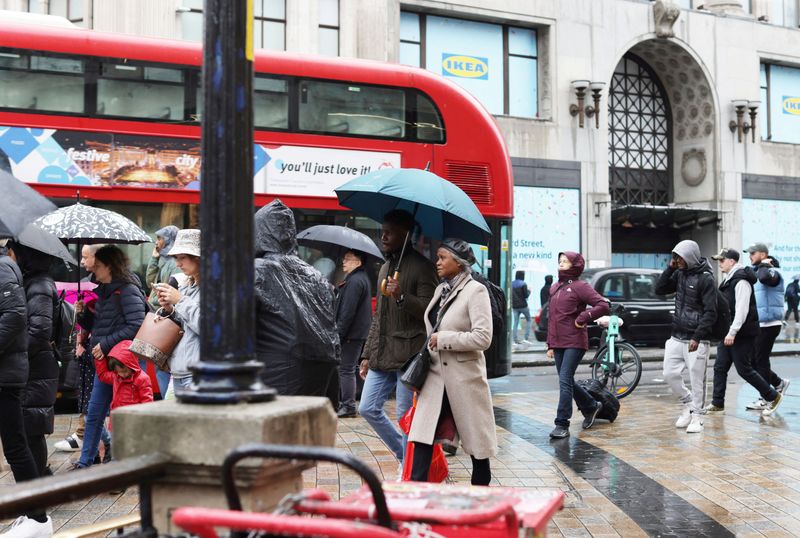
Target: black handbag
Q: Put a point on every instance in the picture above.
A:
(415, 370)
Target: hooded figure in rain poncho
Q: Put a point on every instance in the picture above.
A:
(296, 336)
(161, 266)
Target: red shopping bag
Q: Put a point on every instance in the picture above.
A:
(439, 470)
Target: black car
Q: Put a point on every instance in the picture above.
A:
(647, 317)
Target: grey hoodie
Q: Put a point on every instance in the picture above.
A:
(689, 251)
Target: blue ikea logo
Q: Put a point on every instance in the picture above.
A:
(791, 105)
(462, 66)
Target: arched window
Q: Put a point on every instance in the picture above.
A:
(640, 136)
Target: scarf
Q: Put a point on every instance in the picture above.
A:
(449, 285)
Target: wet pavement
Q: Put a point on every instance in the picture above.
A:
(638, 476)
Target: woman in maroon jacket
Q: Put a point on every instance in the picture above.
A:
(567, 338)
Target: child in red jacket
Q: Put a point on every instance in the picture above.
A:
(121, 369)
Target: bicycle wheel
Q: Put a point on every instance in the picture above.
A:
(620, 376)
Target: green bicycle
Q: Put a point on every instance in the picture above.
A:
(617, 364)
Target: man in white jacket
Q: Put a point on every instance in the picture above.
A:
(738, 346)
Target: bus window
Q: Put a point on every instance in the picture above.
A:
(429, 123)
(140, 92)
(270, 103)
(41, 83)
(337, 107)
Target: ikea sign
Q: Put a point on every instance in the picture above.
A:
(462, 66)
(791, 105)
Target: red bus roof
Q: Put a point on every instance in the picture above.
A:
(479, 164)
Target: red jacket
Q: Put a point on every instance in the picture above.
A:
(134, 390)
(568, 300)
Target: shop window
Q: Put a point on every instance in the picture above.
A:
(329, 27)
(497, 63)
(779, 114)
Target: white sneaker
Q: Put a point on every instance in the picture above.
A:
(25, 527)
(71, 443)
(695, 424)
(685, 418)
(772, 406)
(758, 405)
(783, 386)
(399, 477)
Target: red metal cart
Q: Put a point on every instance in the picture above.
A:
(392, 509)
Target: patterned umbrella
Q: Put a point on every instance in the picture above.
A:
(85, 224)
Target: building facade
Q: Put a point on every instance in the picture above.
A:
(631, 124)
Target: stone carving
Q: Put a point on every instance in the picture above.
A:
(665, 13)
(693, 167)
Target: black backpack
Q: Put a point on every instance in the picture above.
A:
(723, 322)
(610, 402)
(63, 342)
(497, 299)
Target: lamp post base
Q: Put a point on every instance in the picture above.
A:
(226, 383)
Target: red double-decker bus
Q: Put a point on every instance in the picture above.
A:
(114, 119)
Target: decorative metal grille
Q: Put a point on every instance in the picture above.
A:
(640, 136)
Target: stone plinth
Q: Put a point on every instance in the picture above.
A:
(198, 437)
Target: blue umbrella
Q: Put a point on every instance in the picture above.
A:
(441, 209)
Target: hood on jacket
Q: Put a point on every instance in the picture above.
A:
(123, 354)
(578, 263)
(168, 234)
(745, 273)
(275, 229)
(689, 251)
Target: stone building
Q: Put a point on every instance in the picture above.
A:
(631, 124)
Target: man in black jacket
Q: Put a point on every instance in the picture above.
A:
(13, 377)
(738, 346)
(689, 277)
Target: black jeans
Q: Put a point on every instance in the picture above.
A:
(351, 352)
(792, 308)
(15, 444)
(423, 456)
(764, 342)
(740, 354)
(38, 447)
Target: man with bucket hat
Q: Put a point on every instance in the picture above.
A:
(737, 346)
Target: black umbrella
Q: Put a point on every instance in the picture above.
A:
(85, 224)
(324, 235)
(19, 205)
(36, 238)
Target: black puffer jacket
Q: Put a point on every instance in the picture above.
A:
(750, 326)
(13, 326)
(119, 313)
(294, 304)
(695, 299)
(39, 394)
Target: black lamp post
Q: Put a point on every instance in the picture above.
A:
(228, 371)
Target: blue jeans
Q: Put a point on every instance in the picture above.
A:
(526, 313)
(162, 378)
(567, 360)
(96, 413)
(377, 388)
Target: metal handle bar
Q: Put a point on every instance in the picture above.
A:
(301, 452)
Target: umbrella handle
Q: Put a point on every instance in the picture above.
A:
(383, 284)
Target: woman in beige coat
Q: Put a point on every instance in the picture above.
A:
(457, 384)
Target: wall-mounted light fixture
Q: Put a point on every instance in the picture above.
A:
(740, 126)
(581, 109)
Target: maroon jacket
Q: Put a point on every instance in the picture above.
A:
(568, 300)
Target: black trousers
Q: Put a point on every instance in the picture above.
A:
(321, 379)
(423, 457)
(792, 308)
(15, 444)
(38, 446)
(740, 354)
(764, 342)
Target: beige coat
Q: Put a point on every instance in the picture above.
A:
(459, 367)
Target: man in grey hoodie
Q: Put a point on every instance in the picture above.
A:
(689, 276)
